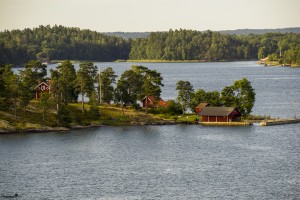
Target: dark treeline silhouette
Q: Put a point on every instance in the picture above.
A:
(134, 35)
(214, 46)
(47, 43)
(58, 43)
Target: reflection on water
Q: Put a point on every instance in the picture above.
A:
(153, 162)
(168, 162)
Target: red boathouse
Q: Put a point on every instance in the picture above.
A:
(220, 114)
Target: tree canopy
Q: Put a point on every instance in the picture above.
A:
(214, 46)
(241, 95)
(60, 43)
(47, 43)
(185, 94)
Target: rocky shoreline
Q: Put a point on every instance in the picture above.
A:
(12, 130)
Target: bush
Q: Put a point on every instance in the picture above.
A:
(136, 106)
(94, 112)
(64, 117)
(173, 108)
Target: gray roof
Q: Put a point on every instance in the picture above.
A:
(217, 111)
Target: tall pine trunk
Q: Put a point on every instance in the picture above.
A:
(146, 111)
(122, 104)
(82, 100)
(15, 102)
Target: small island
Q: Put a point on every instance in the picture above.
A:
(69, 99)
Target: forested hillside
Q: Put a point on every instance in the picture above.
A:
(134, 35)
(214, 46)
(47, 43)
(261, 31)
(58, 42)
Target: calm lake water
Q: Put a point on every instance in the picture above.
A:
(168, 162)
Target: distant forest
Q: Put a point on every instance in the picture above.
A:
(59, 43)
(134, 35)
(214, 46)
(48, 43)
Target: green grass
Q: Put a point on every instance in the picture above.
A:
(109, 115)
(190, 118)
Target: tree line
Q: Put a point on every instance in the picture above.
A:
(214, 46)
(135, 84)
(47, 43)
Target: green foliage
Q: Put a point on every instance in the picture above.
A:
(63, 117)
(67, 82)
(85, 80)
(245, 96)
(185, 94)
(58, 43)
(228, 96)
(213, 98)
(63, 84)
(35, 71)
(212, 46)
(241, 95)
(198, 97)
(11, 88)
(137, 83)
(272, 57)
(151, 82)
(128, 88)
(108, 78)
(94, 112)
(173, 108)
(44, 104)
(201, 96)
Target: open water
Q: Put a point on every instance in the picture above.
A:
(168, 162)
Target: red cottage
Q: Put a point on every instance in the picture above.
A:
(154, 102)
(200, 107)
(42, 87)
(220, 114)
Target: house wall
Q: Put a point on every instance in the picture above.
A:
(197, 110)
(149, 103)
(40, 90)
(235, 116)
(216, 119)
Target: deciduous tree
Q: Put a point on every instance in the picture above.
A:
(245, 96)
(185, 94)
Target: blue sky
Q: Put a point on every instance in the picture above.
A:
(150, 15)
